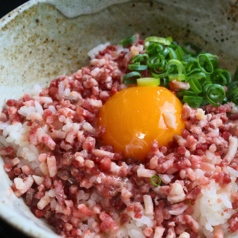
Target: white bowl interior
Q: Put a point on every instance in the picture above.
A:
(38, 43)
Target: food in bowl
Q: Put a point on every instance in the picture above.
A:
(142, 143)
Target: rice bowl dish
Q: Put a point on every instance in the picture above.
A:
(55, 153)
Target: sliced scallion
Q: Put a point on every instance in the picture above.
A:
(214, 94)
(140, 58)
(154, 48)
(221, 76)
(196, 49)
(236, 75)
(137, 67)
(205, 64)
(192, 101)
(148, 82)
(160, 40)
(177, 77)
(131, 77)
(159, 75)
(232, 92)
(127, 41)
(157, 178)
(155, 62)
(180, 54)
(164, 82)
(165, 61)
(195, 85)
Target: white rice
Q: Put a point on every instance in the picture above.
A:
(95, 51)
(214, 207)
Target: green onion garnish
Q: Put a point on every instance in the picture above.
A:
(160, 40)
(154, 48)
(155, 62)
(215, 63)
(232, 93)
(195, 48)
(195, 85)
(214, 94)
(140, 58)
(193, 101)
(165, 61)
(221, 76)
(177, 66)
(137, 67)
(164, 82)
(205, 64)
(148, 82)
(236, 75)
(172, 54)
(161, 75)
(127, 41)
(131, 77)
(155, 177)
(180, 54)
(177, 77)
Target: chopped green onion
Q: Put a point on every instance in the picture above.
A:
(164, 82)
(179, 53)
(172, 54)
(173, 45)
(140, 58)
(195, 85)
(214, 94)
(215, 63)
(193, 71)
(152, 181)
(148, 81)
(137, 67)
(160, 40)
(193, 47)
(210, 56)
(154, 48)
(236, 75)
(189, 93)
(184, 92)
(232, 92)
(131, 77)
(192, 101)
(180, 93)
(162, 75)
(166, 52)
(167, 61)
(221, 76)
(201, 77)
(169, 39)
(127, 41)
(189, 58)
(177, 64)
(155, 62)
(177, 77)
(205, 64)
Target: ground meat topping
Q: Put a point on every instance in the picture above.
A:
(55, 156)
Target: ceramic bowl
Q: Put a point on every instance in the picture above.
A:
(43, 39)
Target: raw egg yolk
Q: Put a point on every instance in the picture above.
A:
(136, 116)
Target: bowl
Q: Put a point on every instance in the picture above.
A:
(43, 39)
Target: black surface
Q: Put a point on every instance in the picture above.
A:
(6, 231)
(8, 5)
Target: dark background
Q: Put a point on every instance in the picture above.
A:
(8, 5)
(7, 231)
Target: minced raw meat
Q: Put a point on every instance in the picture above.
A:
(55, 156)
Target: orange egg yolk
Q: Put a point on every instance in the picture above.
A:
(136, 116)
